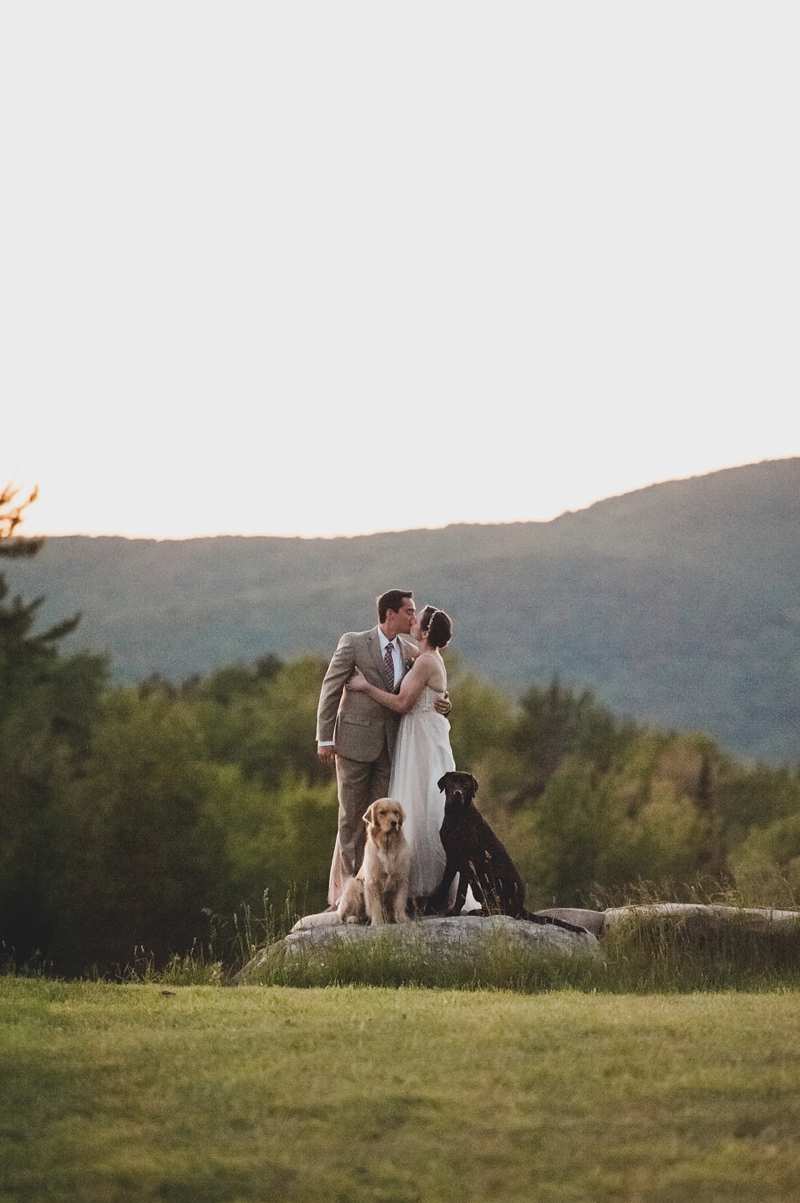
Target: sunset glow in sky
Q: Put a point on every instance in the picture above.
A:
(336, 268)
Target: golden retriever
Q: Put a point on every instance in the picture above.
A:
(379, 891)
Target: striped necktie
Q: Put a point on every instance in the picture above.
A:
(388, 665)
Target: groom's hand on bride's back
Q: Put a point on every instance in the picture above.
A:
(444, 705)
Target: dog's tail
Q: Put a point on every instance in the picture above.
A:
(531, 918)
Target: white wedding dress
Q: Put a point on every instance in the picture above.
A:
(422, 754)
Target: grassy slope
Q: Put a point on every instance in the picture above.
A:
(678, 603)
(133, 1093)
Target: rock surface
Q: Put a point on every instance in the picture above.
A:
(460, 932)
(758, 919)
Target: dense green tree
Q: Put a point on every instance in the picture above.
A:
(45, 728)
(276, 841)
(279, 803)
(570, 833)
(650, 817)
(264, 720)
(754, 797)
(194, 803)
(482, 729)
(47, 707)
(767, 862)
(557, 723)
(146, 853)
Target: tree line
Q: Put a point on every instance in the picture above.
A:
(143, 819)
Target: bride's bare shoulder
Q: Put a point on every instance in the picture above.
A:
(430, 665)
(423, 666)
(427, 660)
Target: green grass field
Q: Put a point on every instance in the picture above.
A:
(204, 1095)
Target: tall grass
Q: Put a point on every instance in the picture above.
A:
(650, 952)
(704, 891)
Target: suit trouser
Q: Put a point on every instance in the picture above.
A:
(360, 782)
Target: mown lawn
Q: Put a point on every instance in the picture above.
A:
(203, 1094)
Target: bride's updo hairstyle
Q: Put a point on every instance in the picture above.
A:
(437, 626)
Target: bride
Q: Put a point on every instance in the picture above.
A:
(422, 753)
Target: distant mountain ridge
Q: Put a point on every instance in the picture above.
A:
(678, 604)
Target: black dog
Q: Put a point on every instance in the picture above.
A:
(478, 857)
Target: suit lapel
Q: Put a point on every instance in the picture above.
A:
(375, 649)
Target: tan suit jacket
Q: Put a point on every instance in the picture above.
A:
(358, 725)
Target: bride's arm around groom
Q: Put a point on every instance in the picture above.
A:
(354, 723)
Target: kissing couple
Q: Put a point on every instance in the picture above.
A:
(382, 722)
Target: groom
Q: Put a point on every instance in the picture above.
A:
(357, 734)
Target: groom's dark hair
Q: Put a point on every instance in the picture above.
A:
(393, 600)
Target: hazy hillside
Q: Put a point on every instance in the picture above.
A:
(678, 603)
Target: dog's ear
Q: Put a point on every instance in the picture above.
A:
(368, 815)
(442, 782)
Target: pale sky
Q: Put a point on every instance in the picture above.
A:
(331, 267)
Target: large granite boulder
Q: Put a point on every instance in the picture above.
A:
(449, 939)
